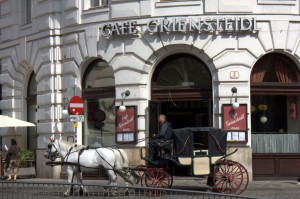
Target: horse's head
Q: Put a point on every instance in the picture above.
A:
(52, 152)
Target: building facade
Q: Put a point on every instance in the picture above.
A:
(190, 60)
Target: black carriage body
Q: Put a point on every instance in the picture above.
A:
(202, 152)
(199, 148)
(193, 141)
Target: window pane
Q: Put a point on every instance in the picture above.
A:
(28, 11)
(269, 113)
(95, 3)
(100, 121)
(100, 74)
(99, 97)
(182, 70)
(32, 86)
(32, 134)
(104, 2)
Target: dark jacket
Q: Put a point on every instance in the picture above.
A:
(165, 132)
(13, 151)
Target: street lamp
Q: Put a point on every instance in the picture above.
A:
(125, 94)
(235, 105)
(65, 111)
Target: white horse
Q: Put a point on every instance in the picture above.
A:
(79, 158)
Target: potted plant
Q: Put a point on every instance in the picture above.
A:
(26, 163)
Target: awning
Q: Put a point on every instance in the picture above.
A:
(6, 121)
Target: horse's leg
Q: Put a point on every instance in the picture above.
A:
(112, 181)
(70, 172)
(106, 190)
(83, 190)
(126, 178)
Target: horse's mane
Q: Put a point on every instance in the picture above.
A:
(65, 145)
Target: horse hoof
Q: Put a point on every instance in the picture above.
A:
(126, 193)
(106, 194)
(66, 195)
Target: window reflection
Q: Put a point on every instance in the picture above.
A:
(100, 123)
(99, 99)
(182, 70)
(99, 74)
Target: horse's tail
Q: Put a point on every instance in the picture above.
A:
(128, 177)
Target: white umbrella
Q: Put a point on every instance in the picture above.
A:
(6, 121)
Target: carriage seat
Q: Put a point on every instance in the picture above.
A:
(166, 148)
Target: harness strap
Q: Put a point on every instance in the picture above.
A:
(105, 160)
(79, 154)
(120, 154)
(87, 148)
(67, 156)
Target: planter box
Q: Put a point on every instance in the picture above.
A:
(28, 169)
(25, 172)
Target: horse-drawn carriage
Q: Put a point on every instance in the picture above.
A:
(200, 151)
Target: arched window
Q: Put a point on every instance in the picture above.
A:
(181, 88)
(99, 96)
(31, 112)
(274, 94)
(180, 74)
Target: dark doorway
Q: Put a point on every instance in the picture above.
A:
(180, 114)
(182, 90)
(187, 113)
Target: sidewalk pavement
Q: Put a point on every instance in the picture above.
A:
(265, 189)
(273, 189)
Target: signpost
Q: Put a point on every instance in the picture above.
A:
(76, 105)
(75, 125)
(77, 118)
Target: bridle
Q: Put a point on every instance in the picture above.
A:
(52, 155)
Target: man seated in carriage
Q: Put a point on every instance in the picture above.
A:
(165, 134)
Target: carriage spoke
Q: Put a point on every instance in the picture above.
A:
(156, 178)
(230, 177)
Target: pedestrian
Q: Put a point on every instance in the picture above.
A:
(165, 133)
(13, 155)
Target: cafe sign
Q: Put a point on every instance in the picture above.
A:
(126, 124)
(235, 122)
(188, 24)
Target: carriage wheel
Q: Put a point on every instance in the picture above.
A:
(230, 177)
(156, 178)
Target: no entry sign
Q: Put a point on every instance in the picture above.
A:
(76, 105)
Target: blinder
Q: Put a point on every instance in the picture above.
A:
(50, 154)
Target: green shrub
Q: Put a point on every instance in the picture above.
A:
(26, 158)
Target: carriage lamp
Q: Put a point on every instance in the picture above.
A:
(125, 94)
(235, 104)
(65, 111)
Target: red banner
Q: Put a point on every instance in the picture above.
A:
(235, 120)
(126, 121)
